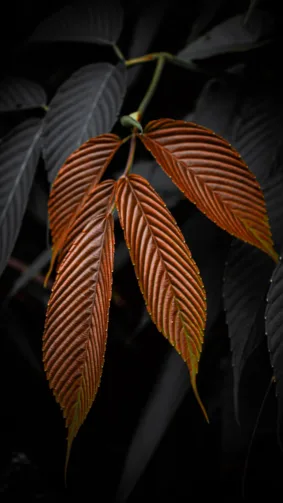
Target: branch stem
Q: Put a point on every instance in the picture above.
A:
(132, 151)
(149, 57)
(152, 86)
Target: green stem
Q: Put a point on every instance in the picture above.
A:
(131, 153)
(118, 52)
(152, 87)
(149, 57)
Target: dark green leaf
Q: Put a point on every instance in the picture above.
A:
(33, 270)
(246, 279)
(97, 22)
(274, 328)
(86, 105)
(20, 94)
(166, 396)
(207, 11)
(233, 35)
(147, 26)
(249, 120)
(19, 155)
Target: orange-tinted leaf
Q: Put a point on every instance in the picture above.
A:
(213, 176)
(97, 202)
(82, 170)
(76, 322)
(168, 276)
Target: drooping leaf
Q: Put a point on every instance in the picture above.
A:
(76, 322)
(19, 155)
(81, 172)
(274, 329)
(95, 202)
(20, 94)
(213, 176)
(168, 276)
(232, 35)
(246, 280)
(98, 22)
(86, 105)
(167, 395)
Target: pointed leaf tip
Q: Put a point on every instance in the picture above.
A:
(168, 276)
(214, 177)
(76, 323)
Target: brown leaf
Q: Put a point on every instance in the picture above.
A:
(76, 322)
(213, 176)
(82, 170)
(168, 276)
(97, 202)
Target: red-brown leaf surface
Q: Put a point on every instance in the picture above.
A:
(76, 322)
(168, 276)
(97, 202)
(82, 170)
(213, 176)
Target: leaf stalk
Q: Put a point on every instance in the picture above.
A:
(132, 151)
(149, 57)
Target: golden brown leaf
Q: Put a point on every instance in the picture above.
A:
(168, 276)
(76, 322)
(82, 170)
(97, 202)
(213, 176)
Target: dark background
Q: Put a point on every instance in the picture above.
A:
(193, 459)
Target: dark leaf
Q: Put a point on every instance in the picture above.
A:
(274, 328)
(86, 105)
(216, 108)
(207, 12)
(258, 132)
(20, 94)
(19, 155)
(246, 279)
(233, 35)
(147, 26)
(31, 271)
(252, 6)
(98, 22)
(249, 120)
(166, 396)
(273, 191)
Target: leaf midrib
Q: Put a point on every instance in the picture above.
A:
(199, 178)
(161, 258)
(19, 175)
(90, 322)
